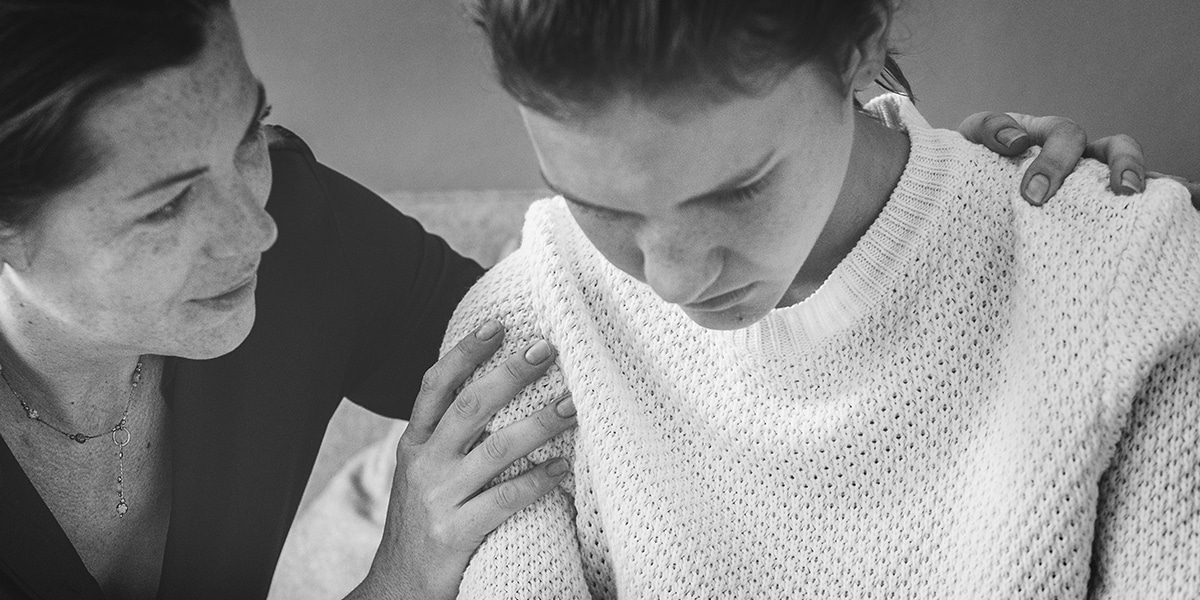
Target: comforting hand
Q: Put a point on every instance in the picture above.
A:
(438, 514)
(1063, 143)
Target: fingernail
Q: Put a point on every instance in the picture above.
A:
(1131, 181)
(538, 353)
(1035, 191)
(1009, 136)
(488, 330)
(557, 467)
(565, 408)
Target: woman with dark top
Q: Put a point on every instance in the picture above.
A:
(185, 298)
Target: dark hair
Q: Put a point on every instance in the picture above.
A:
(59, 57)
(562, 57)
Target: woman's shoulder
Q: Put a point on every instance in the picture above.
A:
(1134, 258)
(518, 288)
(1087, 215)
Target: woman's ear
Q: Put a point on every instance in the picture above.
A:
(867, 56)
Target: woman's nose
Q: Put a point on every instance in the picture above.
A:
(679, 270)
(245, 226)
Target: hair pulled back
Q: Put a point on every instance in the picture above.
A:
(562, 57)
(56, 58)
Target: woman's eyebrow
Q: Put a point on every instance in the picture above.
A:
(169, 181)
(194, 173)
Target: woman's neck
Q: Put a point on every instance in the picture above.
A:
(877, 160)
(72, 388)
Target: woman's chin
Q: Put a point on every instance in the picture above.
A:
(219, 340)
(734, 317)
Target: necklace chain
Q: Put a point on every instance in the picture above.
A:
(119, 433)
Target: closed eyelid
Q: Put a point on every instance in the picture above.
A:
(747, 190)
(602, 211)
(262, 108)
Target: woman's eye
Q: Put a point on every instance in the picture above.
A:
(749, 192)
(598, 213)
(169, 210)
(256, 132)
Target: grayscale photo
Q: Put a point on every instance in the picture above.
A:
(599, 299)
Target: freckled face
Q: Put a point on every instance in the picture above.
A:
(157, 253)
(715, 207)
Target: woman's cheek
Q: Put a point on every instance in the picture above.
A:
(157, 263)
(255, 167)
(157, 243)
(616, 239)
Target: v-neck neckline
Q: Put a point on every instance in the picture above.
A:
(35, 551)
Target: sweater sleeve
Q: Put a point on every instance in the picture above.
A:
(1147, 542)
(1147, 537)
(534, 554)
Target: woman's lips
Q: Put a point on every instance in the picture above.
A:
(234, 296)
(723, 301)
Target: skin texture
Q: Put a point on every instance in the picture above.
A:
(108, 272)
(108, 267)
(728, 209)
(103, 277)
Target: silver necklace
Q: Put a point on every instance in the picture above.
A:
(119, 432)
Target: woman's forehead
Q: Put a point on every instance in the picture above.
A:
(166, 119)
(636, 147)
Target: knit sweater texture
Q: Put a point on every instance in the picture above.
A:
(984, 400)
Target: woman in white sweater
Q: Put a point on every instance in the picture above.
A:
(820, 350)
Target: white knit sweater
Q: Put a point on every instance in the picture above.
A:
(984, 400)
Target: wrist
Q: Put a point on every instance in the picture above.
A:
(377, 587)
(392, 579)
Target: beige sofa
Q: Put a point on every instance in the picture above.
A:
(337, 528)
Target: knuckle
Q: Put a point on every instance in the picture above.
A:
(514, 370)
(467, 403)
(466, 347)
(444, 533)
(415, 481)
(496, 446)
(1067, 129)
(510, 495)
(1053, 165)
(406, 451)
(972, 127)
(1128, 144)
(547, 420)
(997, 120)
(431, 381)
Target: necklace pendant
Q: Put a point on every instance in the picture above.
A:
(32, 412)
(120, 435)
(122, 508)
(78, 437)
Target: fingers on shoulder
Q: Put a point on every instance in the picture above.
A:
(496, 504)
(496, 385)
(998, 131)
(440, 381)
(520, 491)
(1125, 160)
(1063, 144)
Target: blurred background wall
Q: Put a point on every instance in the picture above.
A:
(399, 95)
